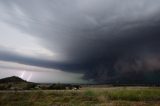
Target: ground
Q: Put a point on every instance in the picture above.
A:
(86, 96)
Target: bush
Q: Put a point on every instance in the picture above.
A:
(57, 87)
(2, 87)
(30, 86)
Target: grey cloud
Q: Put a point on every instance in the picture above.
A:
(92, 35)
(11, 56)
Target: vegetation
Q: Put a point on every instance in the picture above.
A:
(16, 83)
(113, 96)
(12, 83)
(57, 87)
(17, 92)
(18, 86)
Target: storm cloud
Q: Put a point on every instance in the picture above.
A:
(107, 40)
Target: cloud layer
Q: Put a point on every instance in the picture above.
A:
(107, 40)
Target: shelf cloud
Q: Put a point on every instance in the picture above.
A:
(108, 41)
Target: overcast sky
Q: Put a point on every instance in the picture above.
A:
(79, 40)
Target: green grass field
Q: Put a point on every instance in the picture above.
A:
(88, 96)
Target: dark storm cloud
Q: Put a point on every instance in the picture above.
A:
(101, 37)
(12, 56)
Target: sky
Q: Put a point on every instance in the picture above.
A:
(80, 41)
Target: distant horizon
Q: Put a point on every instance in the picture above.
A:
(92, 83)
(48, 82)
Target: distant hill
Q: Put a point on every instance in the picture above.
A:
(15, 83)
(12, 79)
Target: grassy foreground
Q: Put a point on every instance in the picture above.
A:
(118, 96)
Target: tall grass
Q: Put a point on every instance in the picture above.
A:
(84, 97)
(135, 95)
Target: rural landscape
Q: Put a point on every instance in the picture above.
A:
(16, 92)
(79, 52)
